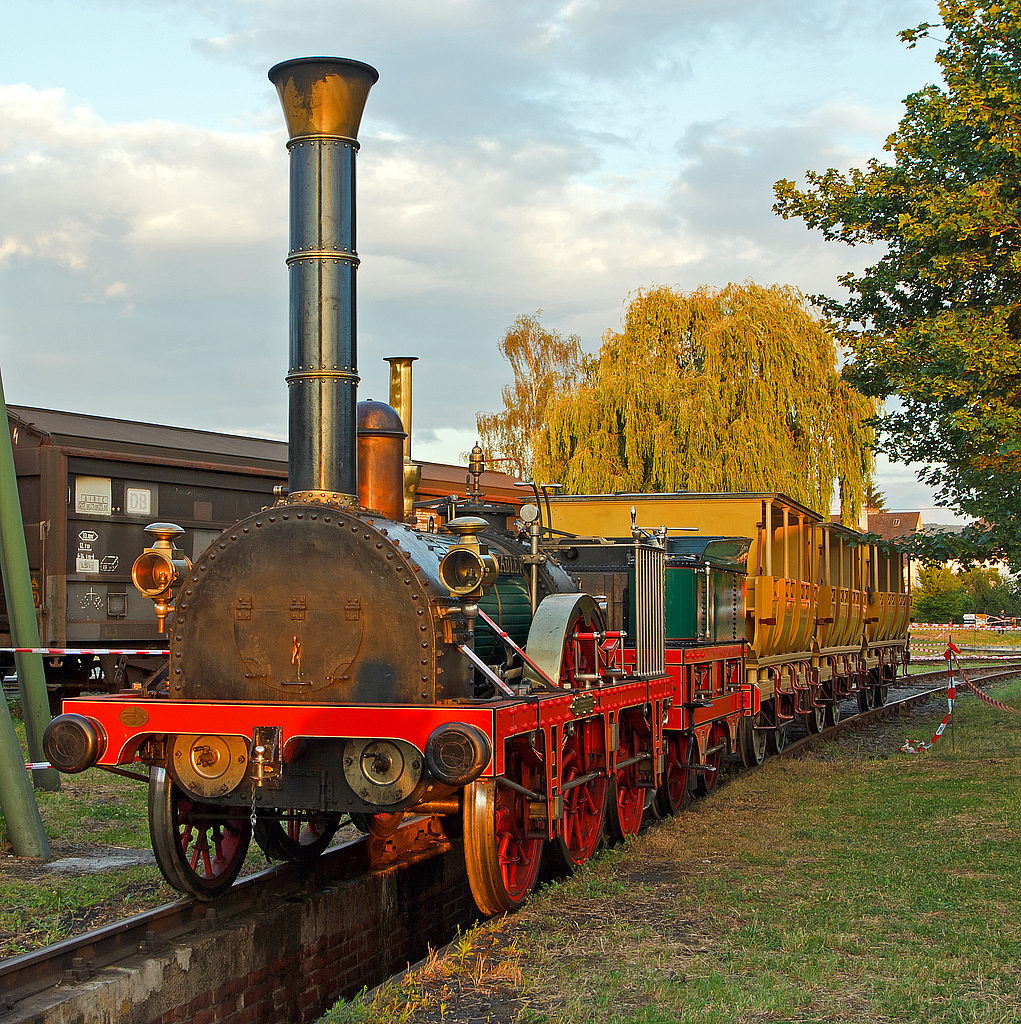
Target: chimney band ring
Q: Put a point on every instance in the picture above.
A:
(344, 140)
(323, 254)
(297, 375)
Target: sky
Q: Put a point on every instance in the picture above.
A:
(515, 157)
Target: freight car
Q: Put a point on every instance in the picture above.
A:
(328, 657)
(88, 483)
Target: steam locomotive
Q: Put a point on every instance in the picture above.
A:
(533, 680)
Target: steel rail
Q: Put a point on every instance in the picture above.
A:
(77, 958)
(888, 710)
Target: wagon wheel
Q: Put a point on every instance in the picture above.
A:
(501, 854)
(881, 691)
(299, 837)
(706, 781)
(776, 739)
(751, 740)
(653, 807)
(833, 712)
(815, 717)
(626, 799)
(382, 825)
(584, 802)
(675, 792)
(199, 847)
(866, 698)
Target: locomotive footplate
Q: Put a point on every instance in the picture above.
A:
(311, 755)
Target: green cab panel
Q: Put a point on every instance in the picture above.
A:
(510, 607)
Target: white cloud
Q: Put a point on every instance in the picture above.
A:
(73, 182)
(446, 444)
(552, 155)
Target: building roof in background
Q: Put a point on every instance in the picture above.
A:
(169, 445)
(890, 525)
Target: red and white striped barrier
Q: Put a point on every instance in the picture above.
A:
(58, 651)
(970, 655)
(985, 697)
(983, 626)
(951, 654)
(920, 746)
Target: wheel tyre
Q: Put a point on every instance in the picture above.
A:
(584, 806)
(382, 825)
(181, 839)
(706, 781)
(502, 862)
(625, 799)
(866, 698)
(776, 739)
(880, 695)
(751, 741)
(675, 792)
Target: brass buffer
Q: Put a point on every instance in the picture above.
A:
(158, 569)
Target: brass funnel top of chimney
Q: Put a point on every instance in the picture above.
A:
(323, 95)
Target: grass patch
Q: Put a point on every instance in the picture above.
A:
(91, 813)
(37, 912)
(479, 973)
(836, 889)
(967, 637)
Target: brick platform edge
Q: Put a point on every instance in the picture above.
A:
(287, 964)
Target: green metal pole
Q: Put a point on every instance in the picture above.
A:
(17, 801)
(21, 608)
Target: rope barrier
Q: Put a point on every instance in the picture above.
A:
(983, 696)
(920, 746)
(952, 656)
(60, 651)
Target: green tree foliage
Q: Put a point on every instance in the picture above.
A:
(545, 364)
(938, 597)
(937, 321)
(988, 592)
(725, 389)
(875, 500)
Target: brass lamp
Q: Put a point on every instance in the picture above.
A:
(157, 569)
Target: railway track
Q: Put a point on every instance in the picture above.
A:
(893, 708)
(76, 959)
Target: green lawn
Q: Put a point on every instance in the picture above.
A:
(833, 888)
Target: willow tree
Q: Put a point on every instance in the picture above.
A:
(725, 389)
(545, 365)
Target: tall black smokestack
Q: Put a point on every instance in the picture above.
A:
(323, 99)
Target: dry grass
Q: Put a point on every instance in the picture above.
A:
(842, 888)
